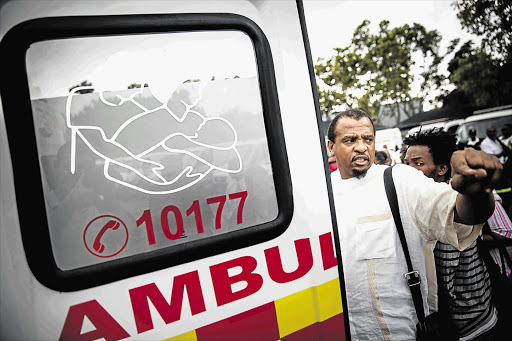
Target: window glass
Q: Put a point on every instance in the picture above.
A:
(148, 141)
(482, 125)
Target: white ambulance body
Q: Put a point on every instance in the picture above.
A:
(162, 174)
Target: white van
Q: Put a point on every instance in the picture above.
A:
(450, 126)
(163, 174)
(483, 119)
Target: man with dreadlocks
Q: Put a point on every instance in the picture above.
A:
(464, 287)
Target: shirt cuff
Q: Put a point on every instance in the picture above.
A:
(462, 236)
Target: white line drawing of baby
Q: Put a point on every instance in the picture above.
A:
(127, 151)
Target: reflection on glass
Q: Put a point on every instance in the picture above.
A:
(148, 141)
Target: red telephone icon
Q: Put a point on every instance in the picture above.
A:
(111, 224)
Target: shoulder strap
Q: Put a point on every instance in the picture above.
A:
(412, 277)
(389, 184)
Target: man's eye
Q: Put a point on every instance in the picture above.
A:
(419, 164)
(369, 139)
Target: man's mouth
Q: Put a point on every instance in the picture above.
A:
(361, 160)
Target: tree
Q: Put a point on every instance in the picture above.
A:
(482, 75)
(475, 74)
(83, 91)
(137, 85)
(491, 19)
(376, 68)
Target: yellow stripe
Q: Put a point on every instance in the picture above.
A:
(503, 190)
(189, 336)
(374, 293)
(308, 306)
(329, 299)
(299, 310)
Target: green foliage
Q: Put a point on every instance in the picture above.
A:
(376, 68)
(474, 73)
(490, 19)
(482, 75)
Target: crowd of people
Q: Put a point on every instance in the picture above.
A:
(455, 205)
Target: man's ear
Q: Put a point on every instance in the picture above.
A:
(442, 169)
(329, 146)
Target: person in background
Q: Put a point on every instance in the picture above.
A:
(492, 145)
(506, 135)
(474, 141)
(379, 301)
(396, 157)
(332, 163)
(403, 150)
(381, 158)
(463, 282)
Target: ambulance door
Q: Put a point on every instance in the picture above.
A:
(162, 174)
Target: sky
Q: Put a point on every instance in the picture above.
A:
(331, 23)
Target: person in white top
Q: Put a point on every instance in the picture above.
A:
(379, 302)
(506, 135)
(473, 141)
(492, 145)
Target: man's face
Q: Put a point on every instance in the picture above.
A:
(491, 132)
(420, 158)
(353, 147)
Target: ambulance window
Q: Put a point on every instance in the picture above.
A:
(151, 146)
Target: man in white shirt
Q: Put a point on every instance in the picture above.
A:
(506, 135)
(492, 145)
(380, 306)
(473, 141)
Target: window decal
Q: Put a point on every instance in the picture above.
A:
(190, 129)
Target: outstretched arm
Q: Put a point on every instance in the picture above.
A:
(474, 174)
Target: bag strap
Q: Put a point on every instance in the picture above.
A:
(412, 277)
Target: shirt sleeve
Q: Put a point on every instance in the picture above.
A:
(432, 208)
(500, 222)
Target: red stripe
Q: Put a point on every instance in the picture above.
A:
(254, 325)
(332, 329)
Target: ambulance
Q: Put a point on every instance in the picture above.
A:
(163, 174)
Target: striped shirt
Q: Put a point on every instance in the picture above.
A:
(500, 223)
(464, 282)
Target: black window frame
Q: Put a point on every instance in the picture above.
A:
(17, 109)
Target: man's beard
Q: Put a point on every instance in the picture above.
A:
(359, 174)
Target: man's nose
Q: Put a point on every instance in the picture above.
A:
(360, 146)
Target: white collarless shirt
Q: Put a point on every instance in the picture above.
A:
(380, 305)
